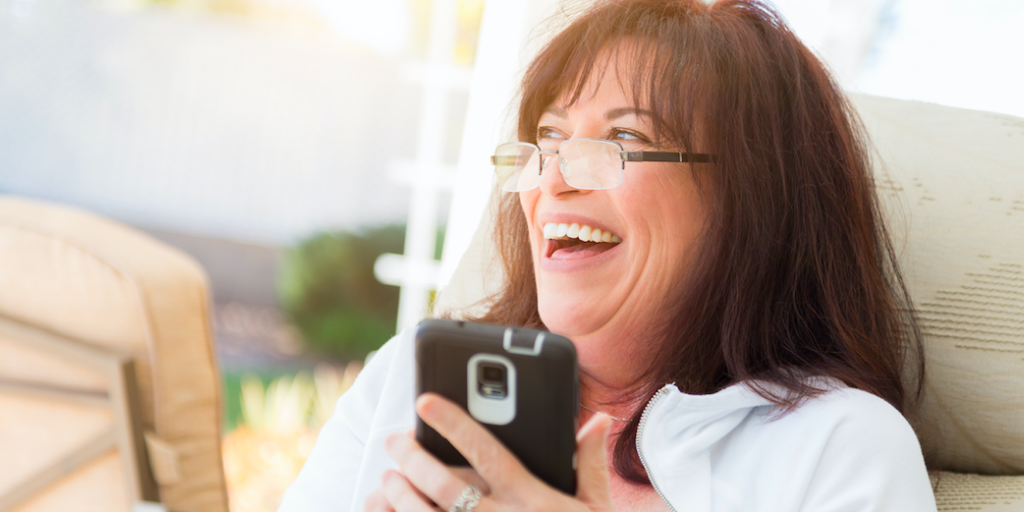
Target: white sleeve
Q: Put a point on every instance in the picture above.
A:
(871, 462)
(333, 478)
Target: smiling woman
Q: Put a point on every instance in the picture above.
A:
(767, 265)
(690, 203)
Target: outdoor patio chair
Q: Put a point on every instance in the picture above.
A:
(952, 182)
(109, 393)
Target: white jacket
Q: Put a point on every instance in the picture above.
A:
(844, 451)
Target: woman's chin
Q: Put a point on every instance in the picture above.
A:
(570, 319)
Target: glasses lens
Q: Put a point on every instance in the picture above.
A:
(591, 164)
(518, 166)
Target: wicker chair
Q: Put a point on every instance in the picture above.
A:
(109, 392)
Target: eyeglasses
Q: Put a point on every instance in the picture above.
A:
(586, 164)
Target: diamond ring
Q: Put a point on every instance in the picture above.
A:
(466, 501)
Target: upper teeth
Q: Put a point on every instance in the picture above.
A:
(584, 233)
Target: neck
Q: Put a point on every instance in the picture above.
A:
(598, 396)
(610, 365)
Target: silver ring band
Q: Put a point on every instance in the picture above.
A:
(466, 501)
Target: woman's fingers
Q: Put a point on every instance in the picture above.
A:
(423, 470)
(592, 463)
(470, 476)
(465, 473)
(376, 501)
(483, 451)
(511, 484)
(402, 496)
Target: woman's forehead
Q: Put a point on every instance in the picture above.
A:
(616, 76)
(605, 95)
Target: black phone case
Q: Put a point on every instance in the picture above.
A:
(543, 433)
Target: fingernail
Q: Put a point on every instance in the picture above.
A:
(423, 407)
(596, 420)
(391, 441)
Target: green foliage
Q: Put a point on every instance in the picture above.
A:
(328, 290)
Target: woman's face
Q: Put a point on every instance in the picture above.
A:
(604, 295)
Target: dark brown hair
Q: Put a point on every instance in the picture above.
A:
(796, 274)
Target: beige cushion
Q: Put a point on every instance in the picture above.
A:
(952, 181)
(956, 196)
(92, 280)
(958, 491)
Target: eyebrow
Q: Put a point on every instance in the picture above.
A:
(557, 111)
(611, 115)
(616, 113)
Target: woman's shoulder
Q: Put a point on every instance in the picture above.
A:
(867, 456)
(347, 459)
(844, 412)
(388, 375)
(838, 399)
(843, 422)
(842, 449)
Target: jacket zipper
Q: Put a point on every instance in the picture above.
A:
(639, 439)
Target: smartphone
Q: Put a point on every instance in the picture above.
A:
(521, 384)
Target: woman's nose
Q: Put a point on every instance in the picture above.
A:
(552, 182)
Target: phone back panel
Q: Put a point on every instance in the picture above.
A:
(543, 432)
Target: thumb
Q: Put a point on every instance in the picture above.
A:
(592, 463)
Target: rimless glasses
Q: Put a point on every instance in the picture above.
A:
(586, 164)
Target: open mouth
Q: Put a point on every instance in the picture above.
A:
(574, 249)
(572, 241)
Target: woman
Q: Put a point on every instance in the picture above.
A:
(740, 318)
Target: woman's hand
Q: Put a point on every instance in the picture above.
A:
(506, 485)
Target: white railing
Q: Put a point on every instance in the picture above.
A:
(505, 45)
(416, 271)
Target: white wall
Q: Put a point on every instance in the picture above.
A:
(961, 54)
(200, 125)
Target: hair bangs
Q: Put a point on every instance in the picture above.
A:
(657, 52)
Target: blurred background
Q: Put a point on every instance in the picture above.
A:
(326, 160)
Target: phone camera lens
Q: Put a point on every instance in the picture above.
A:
(492, 380)
(494, 374)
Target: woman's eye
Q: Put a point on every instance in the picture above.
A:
(545, 132)
(627, 135)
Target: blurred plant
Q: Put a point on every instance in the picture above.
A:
(328, 290)
(279, 426)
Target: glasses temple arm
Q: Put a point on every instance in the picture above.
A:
(657, 156)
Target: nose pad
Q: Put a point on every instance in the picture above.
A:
(554, 162)
(545, 162)
(554, 182)
(563, 166)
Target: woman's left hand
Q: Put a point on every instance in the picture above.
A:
(506, 485)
